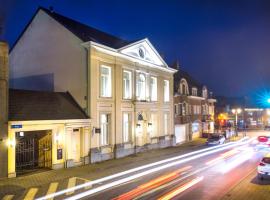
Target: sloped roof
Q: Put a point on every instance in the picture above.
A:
(84, 32)
(180, 74)
(25, 105)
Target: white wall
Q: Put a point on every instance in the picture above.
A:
(47, 47)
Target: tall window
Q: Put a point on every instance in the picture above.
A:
(105, 129)
(153, 88)
(126, 127)
(194, 91)
(184, 111)
(141, 87)
(154, 124)
(105, 81)
(166, 123)
(127, 85)
(166, 91)
(204, 92)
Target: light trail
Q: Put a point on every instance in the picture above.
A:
(91, 183)
(150, 171)
(222, 156)
(152, 184)
(181, 189)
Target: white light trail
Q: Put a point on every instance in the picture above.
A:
(150, 171)
(207, 150)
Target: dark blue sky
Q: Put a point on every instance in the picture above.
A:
(224, 44)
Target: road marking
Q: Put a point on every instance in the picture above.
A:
(85, 181)
(71, 184)
(8, 197)
(31, 194)
(52, 189)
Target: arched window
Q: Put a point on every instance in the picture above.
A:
(141, 85)
(183, 87)
(204, 92)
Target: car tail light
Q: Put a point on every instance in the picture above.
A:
(262, 139)
(262, 164)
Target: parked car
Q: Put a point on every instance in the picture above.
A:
(264, 167)
(215, 140)
(267, 128)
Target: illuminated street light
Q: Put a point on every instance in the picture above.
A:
(236, 112)
(268, 100)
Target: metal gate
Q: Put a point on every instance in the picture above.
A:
(34, 151)
(25, 154)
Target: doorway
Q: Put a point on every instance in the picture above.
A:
(33, 151)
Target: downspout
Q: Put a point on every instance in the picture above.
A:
(88, 94)
(114, 93)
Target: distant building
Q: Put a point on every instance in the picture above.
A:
(193, 107)
(125, 87)
(252, 115)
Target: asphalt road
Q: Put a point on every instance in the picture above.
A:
(205, 174)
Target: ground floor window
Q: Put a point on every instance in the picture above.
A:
(166, 123)
(126, 127)
(105, 129)
(153, 125)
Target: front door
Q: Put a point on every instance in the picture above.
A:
(76, 143)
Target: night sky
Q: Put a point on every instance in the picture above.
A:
(223, 44)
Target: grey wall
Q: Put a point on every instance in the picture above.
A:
(48, 50)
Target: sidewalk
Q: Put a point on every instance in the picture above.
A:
(19, 185)
(250, 188)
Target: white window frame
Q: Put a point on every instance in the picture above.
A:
(141, 87)
(154, 124)
(105, 129)
(194, 91)
(166, 123)
(166, 91)
(126, 127)
(127, 92)
(153, 88)
(106, 90)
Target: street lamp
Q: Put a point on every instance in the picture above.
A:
(236, 112)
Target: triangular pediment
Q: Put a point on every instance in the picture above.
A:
(145, 51)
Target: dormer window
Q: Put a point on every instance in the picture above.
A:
(204, 92)
(194, 91)
(183, 87)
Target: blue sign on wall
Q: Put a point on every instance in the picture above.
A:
(16, 126)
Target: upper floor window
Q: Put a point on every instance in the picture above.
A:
(105, 81)
(183, 87)
(127, 84)
(194, 91)
(153, 89)
(141, 87)
(204, 92)
(166, 91)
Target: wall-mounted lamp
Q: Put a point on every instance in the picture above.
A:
(150, 128)
(138, 129)
(11, 142)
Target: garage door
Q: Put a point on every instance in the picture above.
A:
(180, 133)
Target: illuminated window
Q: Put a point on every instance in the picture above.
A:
(105, 81)
(105, 129)
(194, 91)
(126, 127)
(127, 85)
(141, 87)
(153, 88)
(154, 124)
(166, 91)
(204, 92)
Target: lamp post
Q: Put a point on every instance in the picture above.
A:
(236, 112)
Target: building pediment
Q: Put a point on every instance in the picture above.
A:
(145, 51)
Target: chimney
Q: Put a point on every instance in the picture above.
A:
(4, 71)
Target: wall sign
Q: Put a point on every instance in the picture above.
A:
(16, 126)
